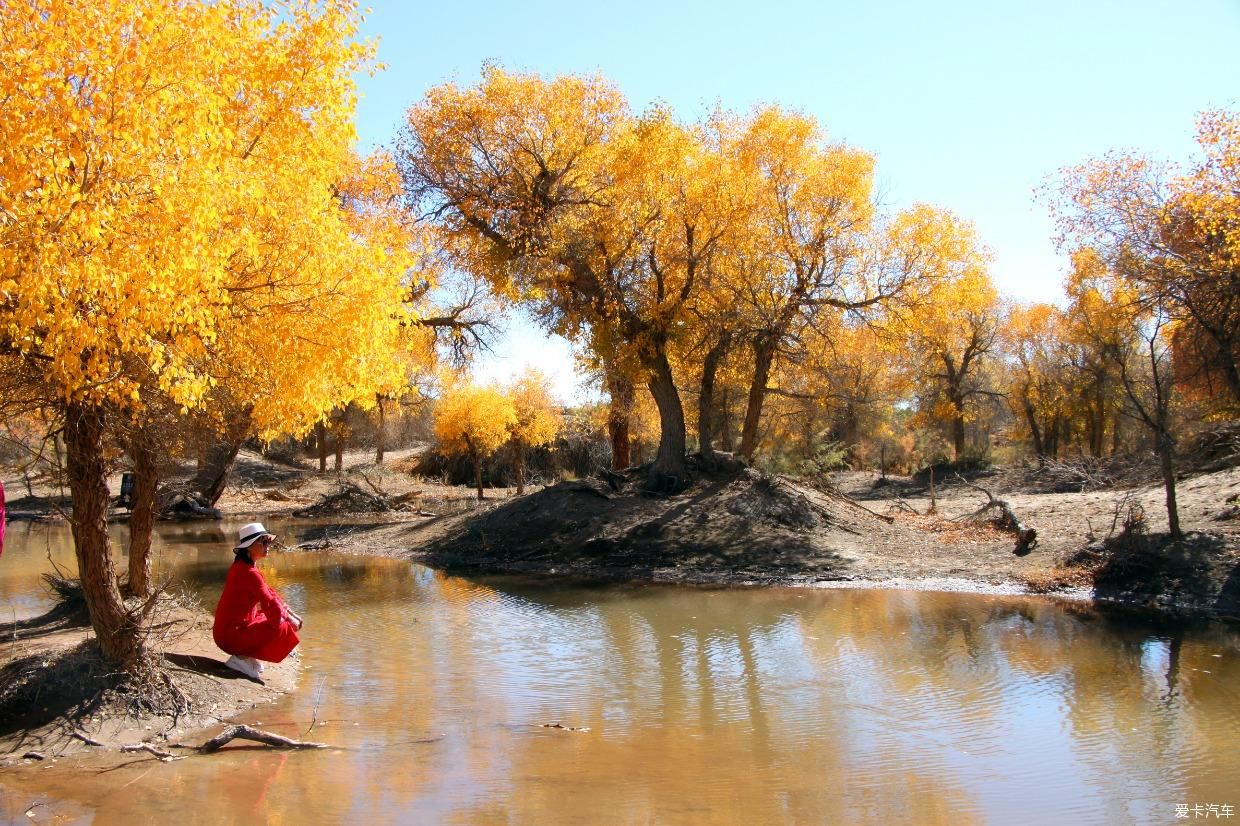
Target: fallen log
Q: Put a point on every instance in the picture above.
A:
(256, 735)
(1026, 537)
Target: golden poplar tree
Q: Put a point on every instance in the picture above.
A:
(1172, 235)
(949, 321)
(474, 420)
(537, 419)
(605, 222)
(1039, 385)
(172, 223)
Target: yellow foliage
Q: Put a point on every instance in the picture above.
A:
(537, 418)
(474, 419)
(180, 208)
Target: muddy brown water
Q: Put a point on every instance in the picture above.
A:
(694, 706)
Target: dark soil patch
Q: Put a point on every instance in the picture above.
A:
(1200, 570)
(59, 696)
(38, 508)
(739, 523)
(44, 686)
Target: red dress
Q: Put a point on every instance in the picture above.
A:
(250, 619)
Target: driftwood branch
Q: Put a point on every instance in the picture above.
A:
(258, 736)
(899, 504)
(163, 756)
(1026, 537)
(839, 494)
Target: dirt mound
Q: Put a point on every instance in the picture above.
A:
(737, 522)
(1199, 570)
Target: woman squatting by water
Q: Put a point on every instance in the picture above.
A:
(252, 622)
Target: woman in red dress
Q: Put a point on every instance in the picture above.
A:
(252, 623)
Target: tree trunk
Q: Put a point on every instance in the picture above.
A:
(1231, 375)
(670, 472)
(706, 399)
(1098, 422)
(1166, 458)
(320, 444)
(622, 393)
(477, 462)
(379, 433)
(956, 397)
(763, 356)
(339, 442)
(117, 636)
(212, 477)
(1052, 438)
(1035, 432)
(142, 513)
(725, 422)
(519, 465)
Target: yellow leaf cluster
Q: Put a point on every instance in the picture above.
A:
(180, 209)
(537, 417)
(474, 419)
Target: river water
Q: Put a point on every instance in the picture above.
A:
(702, 706)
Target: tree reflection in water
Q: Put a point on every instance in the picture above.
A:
(703, 705)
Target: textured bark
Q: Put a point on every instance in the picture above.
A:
(725, 423)
(1166, 459)
(670, 471)
(706, 399)
(763, 356)
(117, 636)
(1051, 440)
(255, 735)
(142, 513)
(958, 431)
(1035, 432)
(622, 393)
(1231, 375)
(1098, 421)
(339, 443)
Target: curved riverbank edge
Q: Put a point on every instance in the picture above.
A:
(745, 530)
(1189, 607)
(54, 658)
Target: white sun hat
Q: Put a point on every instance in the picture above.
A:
(251, 533)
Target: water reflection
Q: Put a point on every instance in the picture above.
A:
(703, 706)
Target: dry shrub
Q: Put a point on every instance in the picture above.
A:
(953, 531)
(1058, 577)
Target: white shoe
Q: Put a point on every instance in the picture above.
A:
(246, 665)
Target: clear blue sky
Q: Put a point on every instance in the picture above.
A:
(966, 105)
